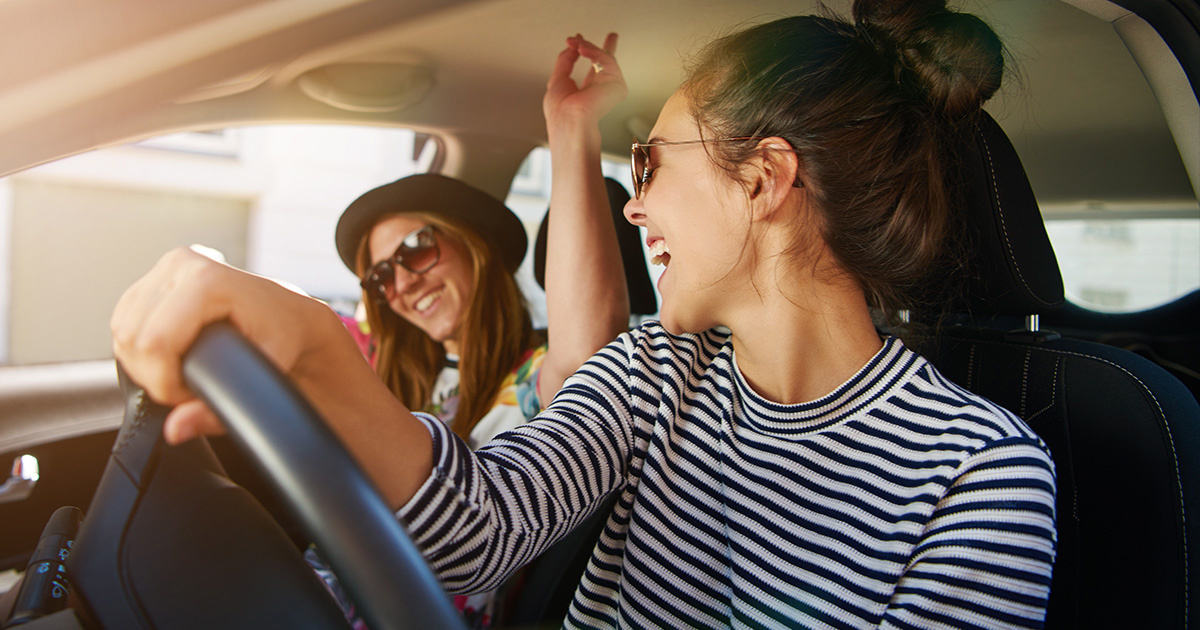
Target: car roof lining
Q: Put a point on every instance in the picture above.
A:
(1135, 158)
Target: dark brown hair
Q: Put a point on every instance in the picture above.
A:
(873, 109)
(494, 333)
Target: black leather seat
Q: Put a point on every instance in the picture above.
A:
(1168, 334)
(642, 299)
(1125, 433)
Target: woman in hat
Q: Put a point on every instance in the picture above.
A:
(450, 331)
(778, 461)
(436, 257)
(452, 335)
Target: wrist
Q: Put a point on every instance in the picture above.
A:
(566, 138)
(322, 340)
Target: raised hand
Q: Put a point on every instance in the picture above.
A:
(568, 105)
(587, 303)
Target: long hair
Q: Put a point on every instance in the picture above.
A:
(873, 109)
(495, 332)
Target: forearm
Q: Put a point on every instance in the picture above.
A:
(390, 444)
(587, 302)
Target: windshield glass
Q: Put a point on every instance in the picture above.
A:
(79, 231)
(82, 229)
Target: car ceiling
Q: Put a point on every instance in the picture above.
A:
(79, 74)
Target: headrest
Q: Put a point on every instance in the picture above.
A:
(1011, 265)
(642, 300)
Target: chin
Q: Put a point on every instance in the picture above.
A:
(442, 334)
(678, 326)
(438, 336)
(437, 328)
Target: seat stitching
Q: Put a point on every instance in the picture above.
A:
(1025, 382)
(971, 369)
(1170, 441)
(1049, 405)
(1003, 225)
(1053, 393)
(1075, 487)
(135, 425)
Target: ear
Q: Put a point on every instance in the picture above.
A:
(771, 174)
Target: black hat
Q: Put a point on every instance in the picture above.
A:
(435, 194)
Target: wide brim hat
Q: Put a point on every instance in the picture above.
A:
(440, 195)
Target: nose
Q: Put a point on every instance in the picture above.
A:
(403, 280)
(634, 212)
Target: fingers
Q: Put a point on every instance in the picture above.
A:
(189, 420)
(602, 56)
(568, 104)
(156, 321)
(149, 350)
(159, 316)
(610, 44)
(564, 63)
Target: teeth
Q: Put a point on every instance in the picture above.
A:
(426, 301)
(660, 253)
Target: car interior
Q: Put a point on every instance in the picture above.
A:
(1101, 118)
(1122, 429)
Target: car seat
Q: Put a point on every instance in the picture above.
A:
(642, 299)
(1166, 334)
(1124, 433)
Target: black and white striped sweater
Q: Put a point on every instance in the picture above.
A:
(900, 500)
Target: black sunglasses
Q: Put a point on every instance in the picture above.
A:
(418, 252)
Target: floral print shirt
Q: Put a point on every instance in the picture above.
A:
(516, 404)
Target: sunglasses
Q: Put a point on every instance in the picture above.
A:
(640, 160)
(418, 252)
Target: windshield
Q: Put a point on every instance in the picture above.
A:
(264, 198)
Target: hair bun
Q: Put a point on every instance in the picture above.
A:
(956, 57)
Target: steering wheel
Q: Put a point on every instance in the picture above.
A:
(322, 485)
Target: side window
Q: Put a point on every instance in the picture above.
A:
(78, 231)
(529, 198)
(1123, 262)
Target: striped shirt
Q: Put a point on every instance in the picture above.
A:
(899, 500)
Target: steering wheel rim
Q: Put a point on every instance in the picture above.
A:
(333, 499)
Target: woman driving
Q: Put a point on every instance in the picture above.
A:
(779, 461)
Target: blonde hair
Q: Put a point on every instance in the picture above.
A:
(495, 332)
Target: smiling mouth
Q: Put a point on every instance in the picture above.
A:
(660, 253)
(424, 303)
